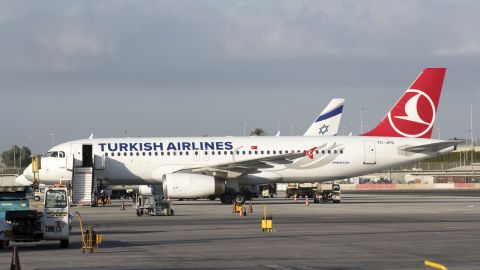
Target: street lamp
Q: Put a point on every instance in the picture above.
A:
(53, 139)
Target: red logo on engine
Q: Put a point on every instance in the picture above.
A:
(413, 115)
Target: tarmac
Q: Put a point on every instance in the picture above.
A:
(371, 230)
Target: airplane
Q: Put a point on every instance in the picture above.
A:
(186, 167)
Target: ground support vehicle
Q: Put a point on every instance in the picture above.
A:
(328, 193)
(300, 190)
(153, 205)
(51, 223)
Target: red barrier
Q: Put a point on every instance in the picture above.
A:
(375, 186)
(464, 185)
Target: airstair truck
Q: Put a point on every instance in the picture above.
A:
(52, 223)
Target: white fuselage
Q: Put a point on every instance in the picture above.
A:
(137, 161)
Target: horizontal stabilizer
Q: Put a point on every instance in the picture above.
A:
(432, 147)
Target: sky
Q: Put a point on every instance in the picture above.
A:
(191, 68)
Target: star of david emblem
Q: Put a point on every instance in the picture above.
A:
(323, 130)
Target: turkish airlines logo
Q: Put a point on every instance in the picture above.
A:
(414, 114)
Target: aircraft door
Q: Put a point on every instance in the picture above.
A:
(87, 155)
(369, 152)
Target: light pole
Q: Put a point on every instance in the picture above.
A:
(361, 120)
(439, 132)
(245, 129)
(53, 139)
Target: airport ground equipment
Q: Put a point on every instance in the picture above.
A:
(12, 198)
(300, 190)
(52, 223)
(328, 193)
(153, 205)
(267, 221)
(90, 238)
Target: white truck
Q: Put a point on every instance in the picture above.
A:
(53, 223)
(326, 192)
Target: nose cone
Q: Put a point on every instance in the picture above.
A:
(27, 173)
(23, 181)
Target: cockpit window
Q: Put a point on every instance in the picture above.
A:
(61, 154)
(54, 154)
(47, 154)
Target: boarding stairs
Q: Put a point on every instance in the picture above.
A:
(82, 185)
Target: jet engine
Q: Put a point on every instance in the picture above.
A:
(186, 185)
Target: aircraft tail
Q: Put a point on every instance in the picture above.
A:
(328, 122)
(414, 113)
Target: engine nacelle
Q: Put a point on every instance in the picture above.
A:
(144, 190)
(186, 185)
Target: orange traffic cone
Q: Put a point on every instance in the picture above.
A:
(241, 211)
(15, 265)
(306, 202)
(250, 207)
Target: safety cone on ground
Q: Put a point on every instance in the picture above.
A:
(250, 207)
(122, 208)
(15, 265)
(306, 202)
(241, 213)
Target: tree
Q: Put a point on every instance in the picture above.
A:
(16, 157)
(258, 132)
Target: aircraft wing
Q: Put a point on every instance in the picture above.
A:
(431, 147)
(245, 166)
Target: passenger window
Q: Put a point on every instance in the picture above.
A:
(168, 153)
(138, 154)
(186, 153)
(162, 153)
(323, 151)
(243, 152)
(180, 153)
(335, 151)
(231, 152)
(219, 152)
(341, 151)
(143, 153)
(206, 153)
(268, 152)
(275, 152)
(131, 154)
(106, 154)
(225, 152)
(249, 152)
(196, 153)
(174, 153)
(112, 154)
(125, 154)
(256, 152)
(329, 151)
(156, 153)
(213, 153)
(261, 152)
(238, 152)
(316, 151)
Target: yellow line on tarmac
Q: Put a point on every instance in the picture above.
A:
(435, 265)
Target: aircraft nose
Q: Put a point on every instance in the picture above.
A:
(27, 173)
(23, 181)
